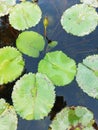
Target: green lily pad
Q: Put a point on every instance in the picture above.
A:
(10, 2)
(11, 64)
(79, 20)
(74, 118)
(8, 117)
(5, 6)
(30, 43)
(87, 75)
(52, 44)
(93, 3)
(33, 96)
(58, 67)
(25, 15)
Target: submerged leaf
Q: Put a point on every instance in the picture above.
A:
(58, 67)
(79, 20)
(5, 6)
(30, 43)
(8, 117)
(93, 3)
(33, 96)
(25, 15)
(74, 118)
(87, 75)
(11, 64)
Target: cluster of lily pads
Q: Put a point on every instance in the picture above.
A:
(33, 95)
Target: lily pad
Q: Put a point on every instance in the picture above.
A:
(25, 15)
(8, 117)
(93, 3)
(73, 118)
(79, 20)
(5, 6)
(52, 44)
(10, 2)
(33, 96)
(87, 75)
(58, 67)
(11, 64)
(30, 43)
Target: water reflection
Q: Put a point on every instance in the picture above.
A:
(5, 92)
(8, 35)
(58, 106)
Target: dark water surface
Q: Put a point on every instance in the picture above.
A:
(76, 48)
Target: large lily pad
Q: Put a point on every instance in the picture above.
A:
(30, 43)
(10, 2)
(93, 3)
(79, 20)
(33, 96)
(8, 117)
(58, 67)
(5, 6)
(25, 15)
(87, 75)
(74, 118)
(11, 64)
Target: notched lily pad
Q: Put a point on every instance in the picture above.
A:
(25, 15)
(73, 118)
(30, 43)
(11, 64)
(5, 6)
(58, 67)
(8, 117)
(33, 96)
(87, 75)
(79, 19)
(93, 3)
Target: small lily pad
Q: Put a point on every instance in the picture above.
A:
(79, 20)
(93, 3)
(58, 67)
(73, 118)
(5, 6)
(30, 43)
(25, 15)
(53, 44)
(33, 96)
(87, 75)
(8, 117)
(11, 64)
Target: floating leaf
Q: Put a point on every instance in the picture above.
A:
(30, 43)
(79, 20)
(53, 44)
(10, 2)
(33, 96)
(25, 15)
(74, 118)
(11, 64)
(58, 67)
(93, 3)
(3, 106)
(8, 117)
(5, 6)
(87, 75)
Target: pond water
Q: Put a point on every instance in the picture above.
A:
(75, 47)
